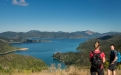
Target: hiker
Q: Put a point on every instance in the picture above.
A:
(97, 58)
(113, 58)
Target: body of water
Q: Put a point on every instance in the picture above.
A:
(45, 50)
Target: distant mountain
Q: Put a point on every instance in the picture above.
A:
(87, 33)
(59, 34)
(110, 33)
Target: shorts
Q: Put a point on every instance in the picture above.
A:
(94, 71)
(112, 66)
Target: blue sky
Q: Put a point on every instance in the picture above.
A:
(60, 15)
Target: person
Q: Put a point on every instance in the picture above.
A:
(113, 58)
(100, 70)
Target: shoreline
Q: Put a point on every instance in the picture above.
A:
(19, 49)
(22, 49)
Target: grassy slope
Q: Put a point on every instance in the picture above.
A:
(9, 63)
(68, 71)
(12, 62)
(6, 48)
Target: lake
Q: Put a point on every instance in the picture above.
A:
(45, 50)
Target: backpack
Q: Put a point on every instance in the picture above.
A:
(119, 57)
(96, 60)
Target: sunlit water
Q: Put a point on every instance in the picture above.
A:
(45, 50)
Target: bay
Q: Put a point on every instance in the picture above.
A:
(45, 50)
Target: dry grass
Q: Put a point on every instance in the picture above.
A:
(69, 71)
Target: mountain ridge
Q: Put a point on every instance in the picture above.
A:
(46, 34)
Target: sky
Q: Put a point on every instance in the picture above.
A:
(60, 15)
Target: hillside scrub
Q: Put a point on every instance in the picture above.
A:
(72, 70)
(4, 48)
(11, 63)
(82, 58)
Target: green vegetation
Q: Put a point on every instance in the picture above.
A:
(6, 48)
(8, 40)
(73, 58)
(105, 42)
(82, 58)
(10, 63)
(20, 40)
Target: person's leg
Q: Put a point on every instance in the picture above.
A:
(92, 71)
(100, 72)
(111, 68)
(108, 72)
(113, 72)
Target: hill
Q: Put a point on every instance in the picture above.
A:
(7, 40)
(10, 63)
(82, 57)
(20, 40)
(39, 34)
(6, 48)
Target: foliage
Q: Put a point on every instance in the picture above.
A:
(12, 62)
(82, 58)
(4, 48)
(10, 40)
(72, 58)
(9, 63)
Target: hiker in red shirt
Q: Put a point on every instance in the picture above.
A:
(97, 58)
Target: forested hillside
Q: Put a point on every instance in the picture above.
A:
(11, 63)
(82, 57)
(6, 48)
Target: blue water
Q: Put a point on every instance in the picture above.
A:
(45, 50)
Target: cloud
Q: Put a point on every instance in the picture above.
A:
(20, 2)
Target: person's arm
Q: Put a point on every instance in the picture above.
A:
(90, 56)
(115, 58)
(104, 59)
(103, 55)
